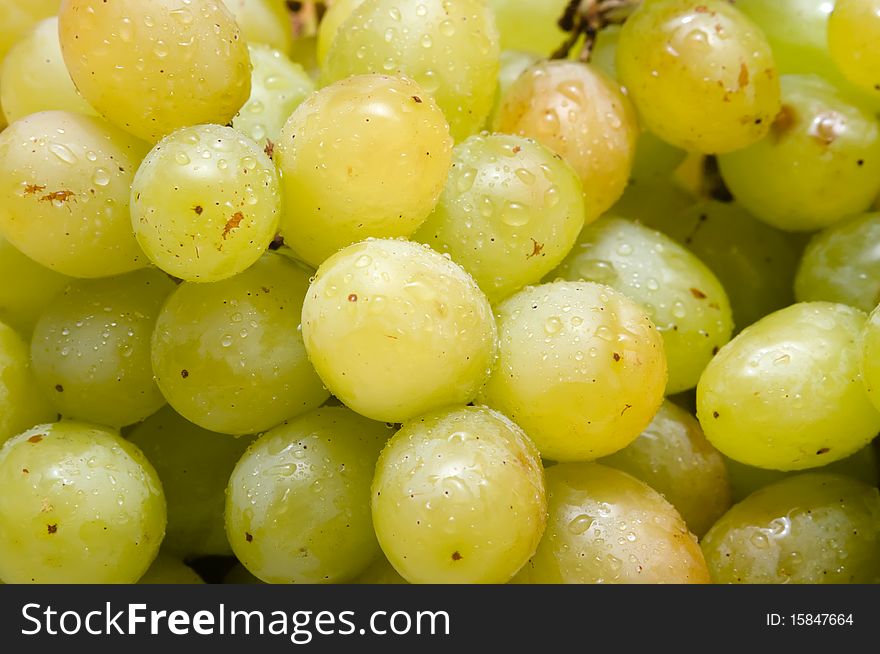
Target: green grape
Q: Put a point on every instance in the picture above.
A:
(91, 348)
(194, 465)
(512, 64)
(529, 25)
(701, 75)
(229, 355)
(168, 569)
(510, 212)
(808, 529)
(396, 330)
(154, 67)
(842, 264)
(654, 202)
(582, 116)
(603, 54)
(673, 457)
(22, 405)
(458, 497)
(278, 86)
(380, 572)
(853, 31)
(65, 181)
(870, 357)
(240, 575)
(449, 47)
(298, 501)
(78, 504)
(263, 21)
(820, 162)
(787, 393)
(679, 293)
(581, 369)
(367, 156)
(22, 303)
(608, 527)
(336, 14)
(205, 203)
(34, 78)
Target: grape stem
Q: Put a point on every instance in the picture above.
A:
(586, 18)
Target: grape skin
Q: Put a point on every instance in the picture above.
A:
(853, 30)
(22, 404)
(263, 21)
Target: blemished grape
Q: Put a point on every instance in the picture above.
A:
(103, 524)
(787, 392)
(263, 21)
(509, 213)
(365, 157)
(22, 303)
(65, 181)
(22, 404)
(809, 529)
(336, 14)
(229, 355)
(581, 369)
(193, 465)
(674, 458)
(154, 67)
(91, 348)
(395, 330)
(167, 569)
(298, 502)
(205, 203)
(853, 31)
(458, 497)
(529, 25)
(581, 115)
(684, 300)
(605, 526)
(449, 47)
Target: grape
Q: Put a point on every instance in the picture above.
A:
(229, 355)
(808, 529)
(787, 393)
(22, 303)
(581, 115)
(205, 203)
(853, 30)
(262, 21)
(154, 67)
(581, 369)
(396, 330)
(449, 47)
(78, 504)
(367, 156)
(870, 357)
(529, 25)
(510, 212)
(22, 405)
(603, 54)
(820, 162)
(682, 297)
(842, 264)
(673, 457)
(654, 202)
(701, 75)
(194, 465)
(458, 497)
(34, 77)
(65, 181)
(512, 64)
(167, 569)
(608, 527)
(336, 14)
(298, 502)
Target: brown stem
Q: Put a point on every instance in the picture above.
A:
(586, 18)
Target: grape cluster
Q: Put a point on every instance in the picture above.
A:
(382, 291)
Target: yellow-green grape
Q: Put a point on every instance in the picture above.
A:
(674, 458)
(395, 330)
(34, 78)
(603, 54)
(512, 64)
(65, 181)
(91, 348)
(336, 14)
(655, 202)
(240, 575)
(449, 47)
(304, 52)
(787, 392)
(745, 480)
(154, 67)
(842, 264)
(367, 156)
(380, 572)
(194, 465)
(809, 529)
(205, 203)
(79, 504)
(167, 569)
(263, 21)
(702, 75)
(459, 497)
(22, 404)
(298, 501)
(870, 357)
(853, 31)
(229, 356)
(278, 86)
(509, 214)
(608, 527)
(581, 369)
(819, 164)
(22, 302)
(678, 292)
(582, 116)
(529, 25)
